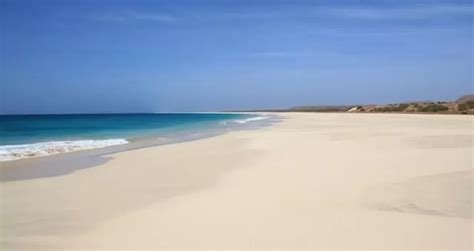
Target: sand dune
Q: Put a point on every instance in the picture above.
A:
(345, 181)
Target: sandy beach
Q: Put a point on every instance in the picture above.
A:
(311, 181)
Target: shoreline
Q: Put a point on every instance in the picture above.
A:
(19, 169)
(310, 181)
(71, 144)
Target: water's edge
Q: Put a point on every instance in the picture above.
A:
(68, 162)
(39, 144)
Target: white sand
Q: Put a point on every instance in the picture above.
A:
(313, 181)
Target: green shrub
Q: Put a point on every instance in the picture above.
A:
(470, 104)
(462, 107)
(392, 108)
(466, 106)
(434, 108)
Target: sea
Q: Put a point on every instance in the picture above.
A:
(27, 136)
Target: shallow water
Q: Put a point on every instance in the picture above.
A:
(26, 136)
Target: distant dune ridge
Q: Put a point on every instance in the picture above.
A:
(465, 98)
(463, 105)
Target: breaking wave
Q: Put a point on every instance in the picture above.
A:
(14, 152)
(243, 121)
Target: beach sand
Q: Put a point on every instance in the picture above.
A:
(314, 180)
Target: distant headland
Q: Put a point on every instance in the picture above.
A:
(463, 105)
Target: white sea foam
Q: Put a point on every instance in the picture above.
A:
(14, 152)
(243, 121)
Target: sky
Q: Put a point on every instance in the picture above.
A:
(187, 56)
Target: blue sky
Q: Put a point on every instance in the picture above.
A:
(175, 56)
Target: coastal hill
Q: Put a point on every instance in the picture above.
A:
(463, 105)
(465, 98)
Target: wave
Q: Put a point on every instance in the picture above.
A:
(243, 121)
(15, 152)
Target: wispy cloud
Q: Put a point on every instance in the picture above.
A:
(414, 12)
(126, 16)
(280, 54)
(361, 12)
(292, 54)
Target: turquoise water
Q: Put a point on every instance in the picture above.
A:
(31, 135)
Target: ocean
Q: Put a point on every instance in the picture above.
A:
(25, 136)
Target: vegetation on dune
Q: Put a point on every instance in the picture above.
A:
(392, 108)
(434, 108)
(466, 106)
